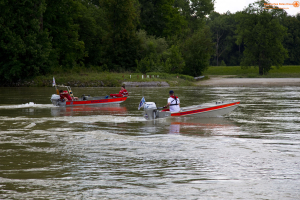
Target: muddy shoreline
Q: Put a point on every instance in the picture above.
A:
(146, 84)
(225, 81)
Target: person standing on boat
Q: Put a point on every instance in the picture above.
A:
(173, 102)
(123, 93)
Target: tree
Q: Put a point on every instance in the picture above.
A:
(175, 62)
(93, 28)
(59, 18)
(222, 28)
(292, 39)
(24, 44)
(194, 11)
(161, 18)
(157, 56)
(262, 35)
(121, 41)
(197, 51)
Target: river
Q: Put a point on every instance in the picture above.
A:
(114, 153)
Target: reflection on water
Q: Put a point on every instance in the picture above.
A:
(196, 126)
(112, 152)
(114, 109)
(174, 128)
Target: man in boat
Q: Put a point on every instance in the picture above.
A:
(173, 102)
(123, 93)
(64, 95)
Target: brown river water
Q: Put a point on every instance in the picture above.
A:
(102, 152)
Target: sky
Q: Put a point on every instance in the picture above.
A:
(222, 6)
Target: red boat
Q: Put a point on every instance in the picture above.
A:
(83, 100)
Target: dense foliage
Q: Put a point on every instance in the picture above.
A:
(262, 35)
(39, 37)
(255, 36)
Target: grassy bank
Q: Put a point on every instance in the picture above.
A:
(106, 79)
(290, 71)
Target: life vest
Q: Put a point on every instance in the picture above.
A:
(62, 96)
(123, 92)
(175, 99)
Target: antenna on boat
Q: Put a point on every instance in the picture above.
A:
(54, 84)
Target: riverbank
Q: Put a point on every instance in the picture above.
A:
(146, 84)
(214, 76)
(225, 81)
(106, 79)
(236, 76)
(287, 71)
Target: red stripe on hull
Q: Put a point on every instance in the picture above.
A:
(203, 110)
(92, 102)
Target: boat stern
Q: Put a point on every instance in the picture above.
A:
(151, 112)
(55, 99)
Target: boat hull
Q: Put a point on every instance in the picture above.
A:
(200, 111)
(93, 101)
(209, 111)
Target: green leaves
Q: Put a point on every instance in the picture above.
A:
(292, 39)
(24, 45)
(262, 35)
(161, 18)
(121, 41)
(222, 28)
(60, 19)
(40, 36)
(197, 50)
(157, 56)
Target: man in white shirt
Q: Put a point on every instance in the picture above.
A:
(173, 102)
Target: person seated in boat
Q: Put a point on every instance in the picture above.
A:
(173, 102)
(123, 93)
(64, 95)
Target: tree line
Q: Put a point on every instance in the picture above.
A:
(38, 37)
(261, 35)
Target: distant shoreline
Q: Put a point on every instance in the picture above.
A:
(225, 81)
(106, 79)
(147, 84)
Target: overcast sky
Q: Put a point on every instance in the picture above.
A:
(222, 6)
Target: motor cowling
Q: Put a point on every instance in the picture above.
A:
(55, 99)
(150, 105)
(150, 110)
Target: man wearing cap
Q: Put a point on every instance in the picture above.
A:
(173, 102)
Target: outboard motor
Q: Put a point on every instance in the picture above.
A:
(55, 99)
(150, 110)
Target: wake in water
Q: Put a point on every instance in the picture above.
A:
(70, 119)
(27, 105)
(78, 119)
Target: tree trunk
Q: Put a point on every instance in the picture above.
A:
(217, 49)
(41, 23)
(260, 68)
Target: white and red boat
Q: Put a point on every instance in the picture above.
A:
(83, 100)
(214, 109)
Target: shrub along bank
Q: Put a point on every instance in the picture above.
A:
(104, 79)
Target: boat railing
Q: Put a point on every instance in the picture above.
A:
(205, 105)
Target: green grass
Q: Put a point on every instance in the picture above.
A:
(107, 79)
(289, 71)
